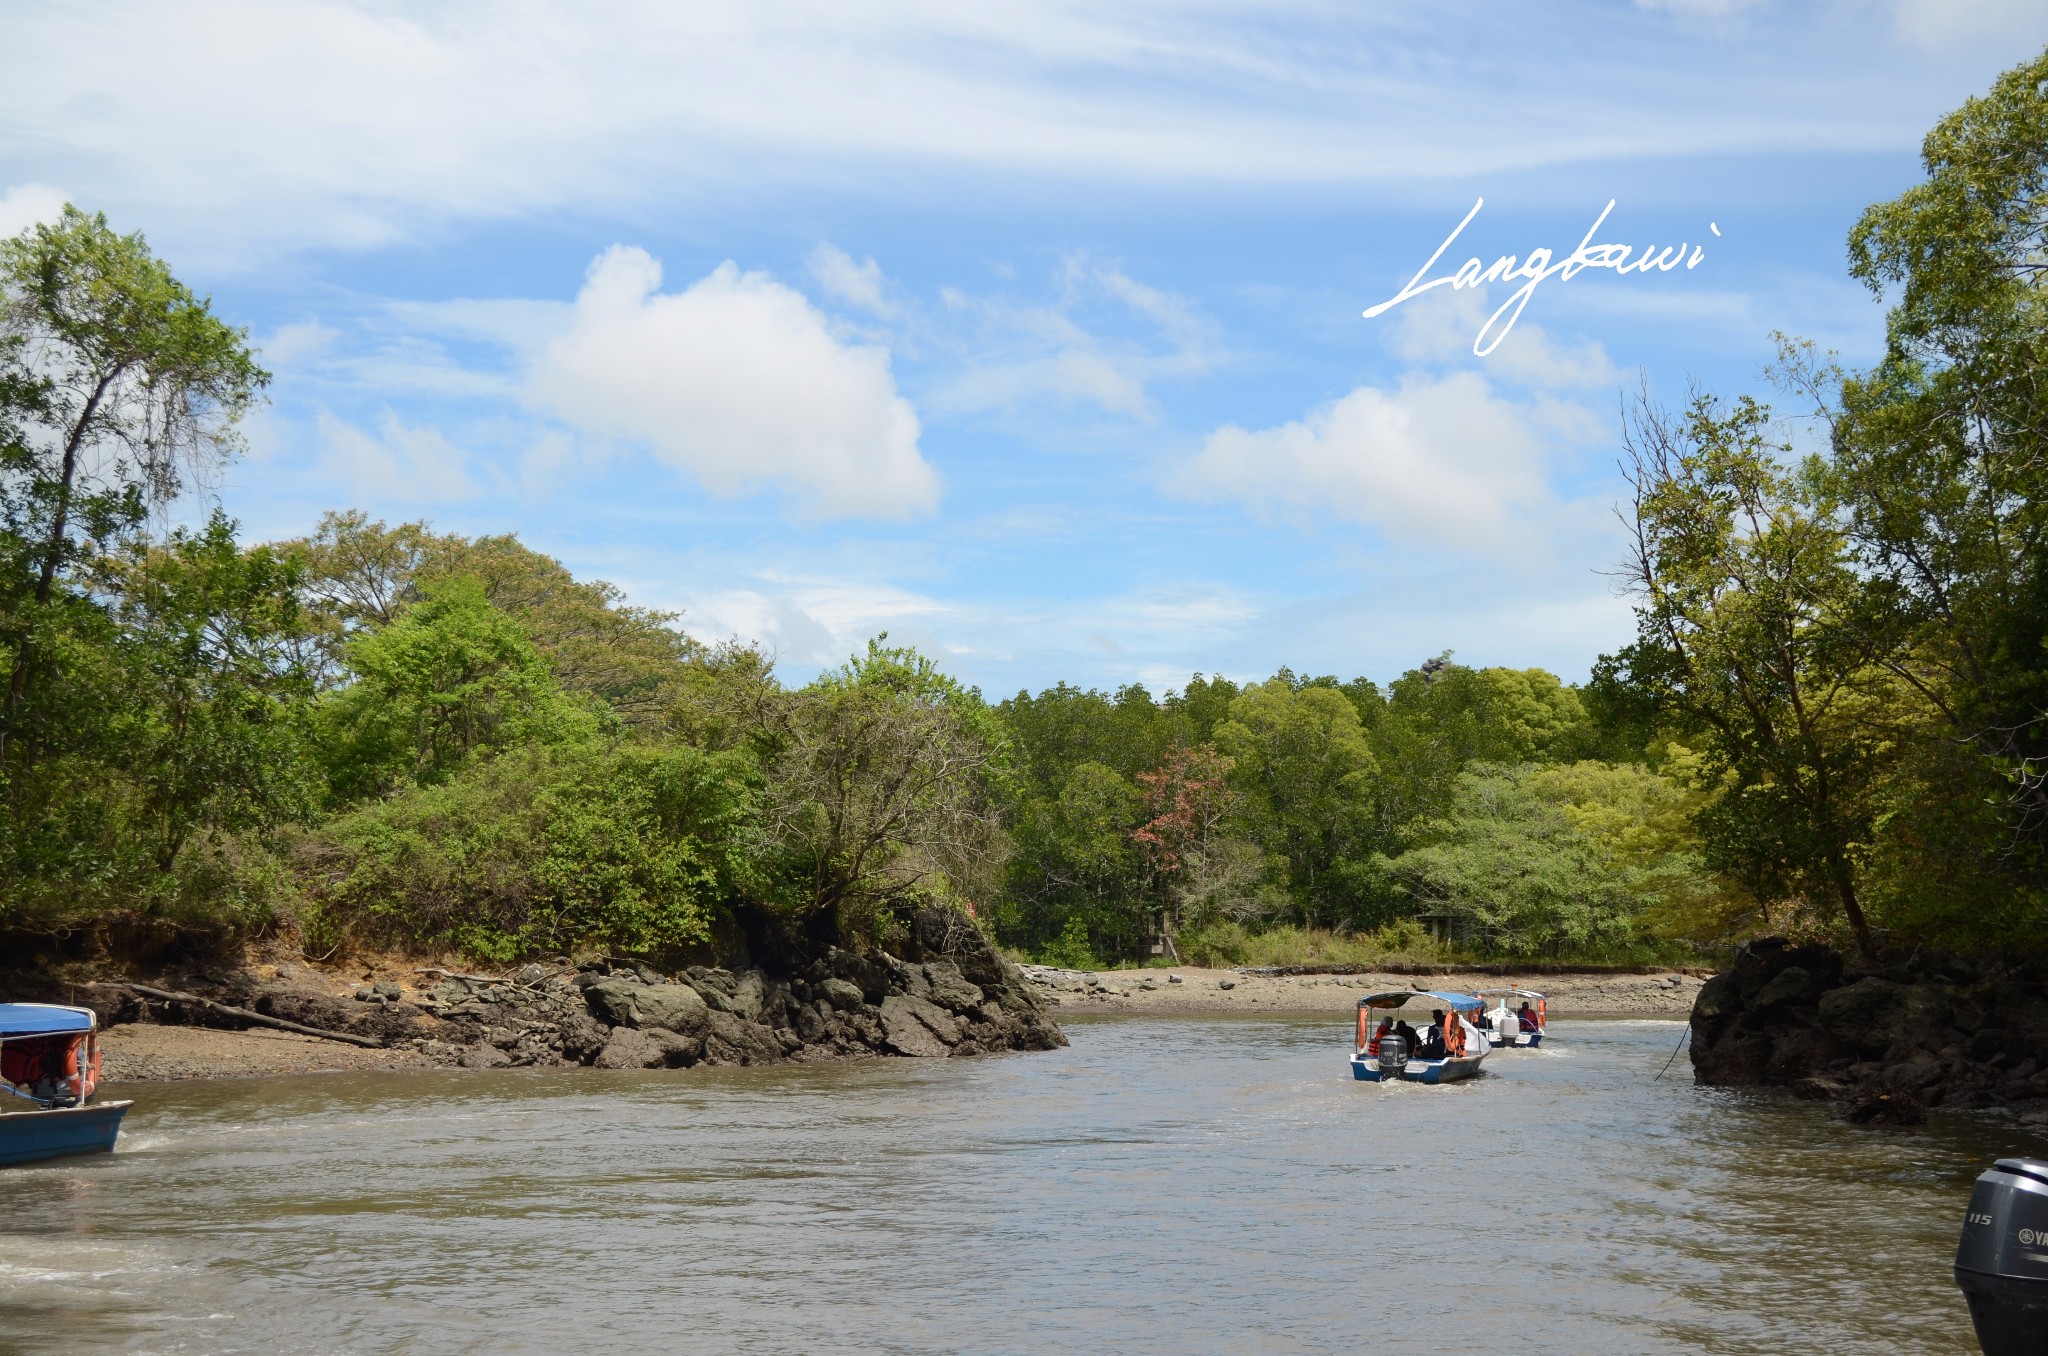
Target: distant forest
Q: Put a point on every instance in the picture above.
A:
(1832, 722)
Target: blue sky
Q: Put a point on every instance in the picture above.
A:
(1030, 334)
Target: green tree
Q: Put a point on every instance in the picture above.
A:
(1940, 453)
(121, 383)
(1301, 760)
(884, 783)
(1747, 610)
(214, 730)
(450, 677)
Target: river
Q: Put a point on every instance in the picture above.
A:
(1165, 1185)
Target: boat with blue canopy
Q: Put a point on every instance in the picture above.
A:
(49, 1074)
(1450, 1047)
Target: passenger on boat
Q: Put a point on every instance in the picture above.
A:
(1409, 1040)
(46, 1065)
(1526, 1018)
(1433, 1043)
(1373, 1046)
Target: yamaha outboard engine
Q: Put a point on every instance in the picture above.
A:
(2002, 1261)
(1393, 1054)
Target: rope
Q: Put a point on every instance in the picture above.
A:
(1674, 1054)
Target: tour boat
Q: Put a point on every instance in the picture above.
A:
(1506, 1027)
(1382, 1053)
(50, 1069)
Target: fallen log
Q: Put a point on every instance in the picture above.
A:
(368, 1042)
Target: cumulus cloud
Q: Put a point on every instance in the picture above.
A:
(27, 205)
(1444, 460)
(738, 381)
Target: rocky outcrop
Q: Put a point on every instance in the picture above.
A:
(944, 991)
(1886, 1040)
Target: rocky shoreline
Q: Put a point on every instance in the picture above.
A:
(942, 992)
(1887, 1041)
(1192, 991)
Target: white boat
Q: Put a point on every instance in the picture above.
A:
(1521, 1026)
(1383, 1052)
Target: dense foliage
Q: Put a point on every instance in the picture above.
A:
(1834, 716)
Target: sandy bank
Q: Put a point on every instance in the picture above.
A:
(1225, 991)
(140, 1053)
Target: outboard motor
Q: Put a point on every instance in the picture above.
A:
(2002, 1260)
(1393, 1054)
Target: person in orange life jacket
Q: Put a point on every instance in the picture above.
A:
(1526, 1017)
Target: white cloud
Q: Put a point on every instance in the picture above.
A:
(1947, 23)
(293, 123)
(1024, 354)
(1435, 460)
(858, 284)
(27, 205)
(297, 342)
(399, 464)
(813, 623)
(739, 381)
(1439, 326)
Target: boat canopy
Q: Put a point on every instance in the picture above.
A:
(1510, 993)
(44, 1019)
(1400, 998)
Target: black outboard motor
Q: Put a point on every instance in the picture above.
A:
(2002, 1261)
(1393, 1054)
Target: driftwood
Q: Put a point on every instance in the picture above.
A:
(471, 979)
(368, 1042)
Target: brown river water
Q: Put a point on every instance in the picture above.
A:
(1165, 1185)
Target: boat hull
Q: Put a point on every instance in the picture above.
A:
(1366, 1069)
(33, 1136)
(1441, 1070)
(1528, 1040)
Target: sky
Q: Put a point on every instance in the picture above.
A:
(1032, 335)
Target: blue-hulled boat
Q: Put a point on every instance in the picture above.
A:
(49, 1073)
(1385, 1052)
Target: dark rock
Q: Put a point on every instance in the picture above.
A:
(619, 1002)
(580, 1036)
(913, 1026)
(729, 1039)
(631, 1048)
(947, 987)
(484, 1057)
(1886, 1108)
(1795, 984)
(1864, 1015)
(840, 993)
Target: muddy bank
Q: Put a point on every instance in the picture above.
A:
(941, 991)
(1887, 1041)
(1192, 990)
